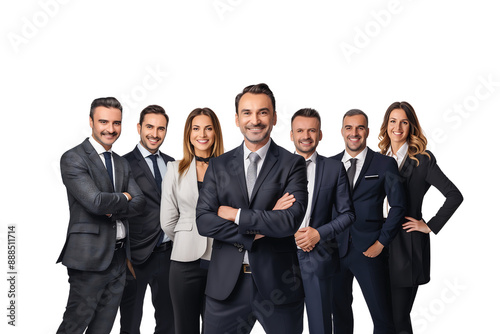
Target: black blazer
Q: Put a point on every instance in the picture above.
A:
(378, 178)
(273, 259)
(332, 212)
(144, 228)
(91, 237)
(409, 253)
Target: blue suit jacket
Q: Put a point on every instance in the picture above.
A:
(379, 178)
(273, 259)
(332, 212)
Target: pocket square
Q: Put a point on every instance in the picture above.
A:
(367, 177)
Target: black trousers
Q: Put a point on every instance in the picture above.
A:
(94, 297)
(372, 275)
(402, 303)
(238, 313)
(187, 288)
(155, 273)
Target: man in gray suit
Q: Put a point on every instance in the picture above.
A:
(101, 193)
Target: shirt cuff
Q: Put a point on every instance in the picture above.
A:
(237, 219)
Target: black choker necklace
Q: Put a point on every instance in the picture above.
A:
(205, 160)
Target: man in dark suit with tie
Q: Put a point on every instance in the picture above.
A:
(363, 247)
(254, 272)
(329, 212)
(150, 247)
(102, 193)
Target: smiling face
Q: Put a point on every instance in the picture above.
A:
(398, 128)
(106, 125)
(202, 136)
(255, 118)
(355, 132)
(306, 135)
(152, 131)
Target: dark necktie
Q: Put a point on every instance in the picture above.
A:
(109, 166)
(351, 172)
(156, 170)
(252, 172)
(157, 173)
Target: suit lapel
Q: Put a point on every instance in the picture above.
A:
(368, 160)
(406, 170)
(98, 164)
(141, 161)
(191, 179)
(271, 159)
(239, 163)
(320, 163)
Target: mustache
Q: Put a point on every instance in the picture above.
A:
(356, 137)
(107, 133)
(151, 137)
(260, 126)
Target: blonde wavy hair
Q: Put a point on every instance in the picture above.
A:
(188, 148)
(417, 142)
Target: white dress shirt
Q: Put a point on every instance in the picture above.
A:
(120, 228)
(400, 155)
(262, 152)
(359, 163)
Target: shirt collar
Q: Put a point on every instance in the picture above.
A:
(145, 153)
(98, 147)
(400, 154)
(361, 156)
(262, 152)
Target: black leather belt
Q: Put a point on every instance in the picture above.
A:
(163, 247)
(119, 244)
(246, 269)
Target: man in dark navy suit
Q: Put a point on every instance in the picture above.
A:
(150, 247)
(363, 247)
(254, 272)
(329, 212)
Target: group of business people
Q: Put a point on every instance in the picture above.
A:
(252, 234)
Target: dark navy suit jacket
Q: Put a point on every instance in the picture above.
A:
(379, 178)
(273, 259)
(332, 212)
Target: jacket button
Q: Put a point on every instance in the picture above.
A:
(240, 250)
(114, 226)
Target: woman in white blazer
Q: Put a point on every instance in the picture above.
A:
(191, 252)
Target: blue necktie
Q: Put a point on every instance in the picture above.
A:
(156, 170)
(157, 173)
(109, 166)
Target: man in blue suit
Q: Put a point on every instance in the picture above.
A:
(363, 247)
(254, 272)
(329, 212)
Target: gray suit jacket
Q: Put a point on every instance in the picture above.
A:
(91, 235)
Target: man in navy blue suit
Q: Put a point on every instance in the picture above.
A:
(329, 212)
(363, 247)
(253, 272)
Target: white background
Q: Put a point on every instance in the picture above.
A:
(57, 56)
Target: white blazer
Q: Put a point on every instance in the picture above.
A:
(178, 214)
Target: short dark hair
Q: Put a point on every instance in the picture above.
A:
(261, 88)
(354, 112)
(307, 112)
(152, 109)
(108, 102)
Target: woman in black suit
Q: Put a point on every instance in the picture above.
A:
(409, 253)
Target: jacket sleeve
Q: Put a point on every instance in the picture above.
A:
(453, 196)
(169, 208)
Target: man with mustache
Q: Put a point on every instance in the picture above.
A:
(102, 194)
(253, 273)
(363, 247)
(149, 246)
(329, 212)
